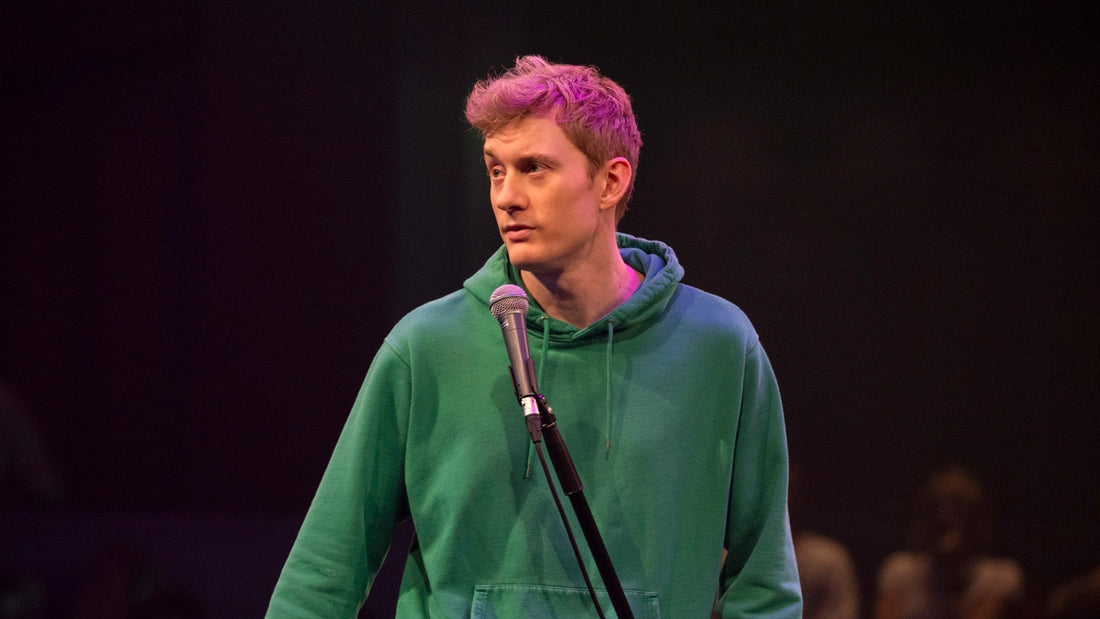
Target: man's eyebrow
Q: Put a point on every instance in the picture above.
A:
(526, 158)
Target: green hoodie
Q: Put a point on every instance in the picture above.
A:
(671, 414)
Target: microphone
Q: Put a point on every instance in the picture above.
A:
(509, 304)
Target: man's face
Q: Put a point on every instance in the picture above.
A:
(546, 202)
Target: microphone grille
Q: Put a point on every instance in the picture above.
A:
(507, 299)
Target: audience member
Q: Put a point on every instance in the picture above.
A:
(949, 572)
(830, 586)
(1077, 598)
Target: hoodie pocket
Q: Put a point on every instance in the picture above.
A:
(537, 602)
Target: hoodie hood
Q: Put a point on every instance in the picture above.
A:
(652, 258)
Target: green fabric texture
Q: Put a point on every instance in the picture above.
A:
(676, 429)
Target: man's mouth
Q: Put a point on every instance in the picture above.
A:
(517, 232)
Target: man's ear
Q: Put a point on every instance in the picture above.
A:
(617, 175)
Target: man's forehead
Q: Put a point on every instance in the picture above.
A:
(528, 136)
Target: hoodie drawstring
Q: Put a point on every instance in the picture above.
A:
(607, 387)
(544, 349)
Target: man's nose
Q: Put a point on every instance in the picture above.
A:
(509, 194)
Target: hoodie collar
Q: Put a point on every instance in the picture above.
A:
(654, 259)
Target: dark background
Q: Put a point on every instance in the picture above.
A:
(211, 213)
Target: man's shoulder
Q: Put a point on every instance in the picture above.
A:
(450, 309)
(455, 316)
(711, 311)
(698, 295)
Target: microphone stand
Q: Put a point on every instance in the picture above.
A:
(571, 485)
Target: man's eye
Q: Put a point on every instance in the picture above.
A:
(534, 166)
(495, 172)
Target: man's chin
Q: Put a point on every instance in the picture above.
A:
(521, 259)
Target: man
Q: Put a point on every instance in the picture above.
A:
(662, 393)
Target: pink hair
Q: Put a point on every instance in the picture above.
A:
(593, 111)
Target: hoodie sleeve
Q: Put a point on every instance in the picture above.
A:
(347, 530)
(759, 578)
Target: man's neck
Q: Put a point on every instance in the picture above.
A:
(580, 298)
